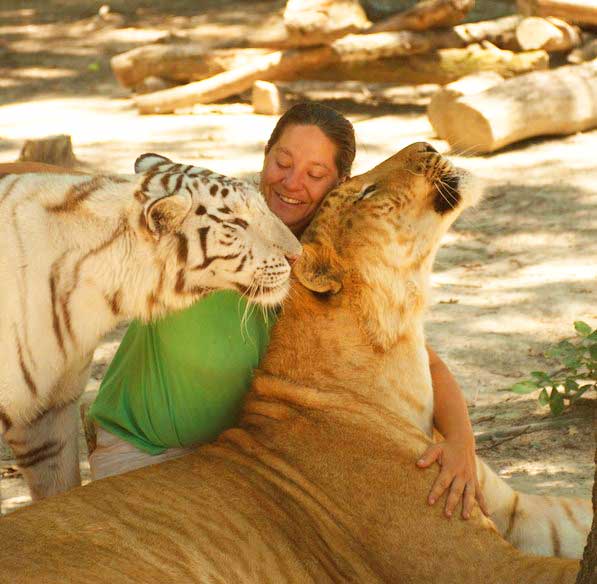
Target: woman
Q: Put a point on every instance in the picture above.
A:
(181, 381)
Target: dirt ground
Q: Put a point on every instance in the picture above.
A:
(511, 278)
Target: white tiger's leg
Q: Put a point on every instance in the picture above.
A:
(536, 524)
(46, 450)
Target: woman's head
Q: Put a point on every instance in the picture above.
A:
(310, 151)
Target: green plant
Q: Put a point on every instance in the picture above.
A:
(577, 372)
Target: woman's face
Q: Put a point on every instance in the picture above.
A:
(298, 171)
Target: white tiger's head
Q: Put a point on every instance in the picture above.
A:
(217, 230)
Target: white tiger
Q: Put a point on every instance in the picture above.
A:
(79, 254)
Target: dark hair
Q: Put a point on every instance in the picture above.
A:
(332, 123)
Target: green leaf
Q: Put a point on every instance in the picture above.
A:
(541, 377)
(543, 397)
(571, 385)
(556, 403)
(573, 364)
(523, 387)
(582, 327)
(593, 336)
(562, 350)
(593, 351)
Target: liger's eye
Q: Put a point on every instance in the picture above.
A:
(367, 192)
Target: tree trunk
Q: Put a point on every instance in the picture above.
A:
(441, 67)
(316, 22)
(550, 34)
(588, 566)
(266, 68)
(583, 12)
(560, 101)
(425, 15)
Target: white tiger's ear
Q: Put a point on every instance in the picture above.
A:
(165, 214)
(148, 161)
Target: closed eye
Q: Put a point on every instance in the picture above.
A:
(369, 190)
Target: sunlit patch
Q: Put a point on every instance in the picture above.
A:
(45, 73)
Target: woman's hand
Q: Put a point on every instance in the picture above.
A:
(458, 476)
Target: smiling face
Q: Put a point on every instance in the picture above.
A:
(298, 171)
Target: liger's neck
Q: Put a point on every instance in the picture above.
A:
(321, 343)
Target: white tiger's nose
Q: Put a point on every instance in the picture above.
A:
(291, 258)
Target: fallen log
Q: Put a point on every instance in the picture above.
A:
(183, 63)
(557, 102)
(445, 96)
(425, 15)
(586, 52)
(358, 92)
(266, 68)
(499, 32)
(316, 22)
(581, 12)
(324, 63)
(178, 62)
(440, 67)
(550, 34)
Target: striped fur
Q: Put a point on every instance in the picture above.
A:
(318, 482)
(79, 254)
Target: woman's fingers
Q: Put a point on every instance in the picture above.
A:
(430, 456)
(468, 499)
(454, 496)
(442, 483)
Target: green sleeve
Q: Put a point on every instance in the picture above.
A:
(181, 380)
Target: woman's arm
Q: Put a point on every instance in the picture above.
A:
(456, 454)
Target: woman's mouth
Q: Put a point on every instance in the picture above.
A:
(288, 200)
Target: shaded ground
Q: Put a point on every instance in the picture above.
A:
(511, 278)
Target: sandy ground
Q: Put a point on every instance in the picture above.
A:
(511, 278)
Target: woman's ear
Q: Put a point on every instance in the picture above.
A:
(318, 269)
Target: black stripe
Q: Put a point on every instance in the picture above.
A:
(48, 450)
(55, 319)
(26, 375)
(241, 265)
(6, 421)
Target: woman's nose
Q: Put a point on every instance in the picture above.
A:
(292, 180)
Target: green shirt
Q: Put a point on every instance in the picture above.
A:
(181, 380)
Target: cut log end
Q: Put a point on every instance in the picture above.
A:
(56, 150)
(549, 34)
(268, 99)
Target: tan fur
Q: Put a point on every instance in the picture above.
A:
(318, 482)
(79, 254)
(24, 167)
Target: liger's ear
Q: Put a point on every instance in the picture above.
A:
(148, 161)
(165, 214)
(319, 269)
